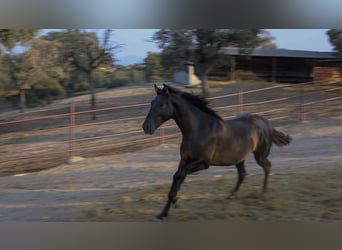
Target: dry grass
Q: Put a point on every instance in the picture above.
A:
(314, 196)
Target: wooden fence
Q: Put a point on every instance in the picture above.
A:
(35, 143)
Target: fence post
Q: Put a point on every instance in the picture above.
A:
(240, 102)
(301, 103)
(72, 129)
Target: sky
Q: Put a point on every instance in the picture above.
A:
(137, 42)
(302, 39)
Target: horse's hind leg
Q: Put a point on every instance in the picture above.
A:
(265, 164)
(241, 175)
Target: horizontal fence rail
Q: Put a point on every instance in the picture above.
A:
(45, 141)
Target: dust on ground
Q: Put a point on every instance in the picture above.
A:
(92, 188)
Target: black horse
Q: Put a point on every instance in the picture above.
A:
(208, 139)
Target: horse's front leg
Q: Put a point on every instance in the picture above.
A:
(178, 179)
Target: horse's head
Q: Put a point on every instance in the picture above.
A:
(161, 110)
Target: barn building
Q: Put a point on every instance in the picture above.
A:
(281, 65)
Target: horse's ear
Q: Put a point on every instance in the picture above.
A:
(166, 90)
(157, 89)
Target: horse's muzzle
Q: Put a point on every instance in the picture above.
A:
(148, 128)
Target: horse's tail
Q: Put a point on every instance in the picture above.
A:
(280, 139)
(269, 134)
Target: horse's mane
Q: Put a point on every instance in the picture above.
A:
(197, 100)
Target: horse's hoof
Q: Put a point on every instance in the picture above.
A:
(157, 219)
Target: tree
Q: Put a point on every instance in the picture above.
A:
(37, 66)
(85, 52)
(9, 38)
(40, 69)
(335, 38)
(266, 40)
(3, 77)
(202, 47)
(153, 68)
(11, 68)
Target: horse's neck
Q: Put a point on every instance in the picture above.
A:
(189, 118)
(186, 123)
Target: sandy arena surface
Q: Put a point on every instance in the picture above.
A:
(65, 192)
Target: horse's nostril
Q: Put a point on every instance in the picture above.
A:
(146, 127)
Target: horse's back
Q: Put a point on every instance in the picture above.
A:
(248, 122)
(241, 137)
(247, 118)
(242, 123)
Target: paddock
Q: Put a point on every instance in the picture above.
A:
(58, 165)
(304, 186)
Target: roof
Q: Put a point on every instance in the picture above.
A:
(283, 53)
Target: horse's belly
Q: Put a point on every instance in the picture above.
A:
(228, 158)
(226, 162)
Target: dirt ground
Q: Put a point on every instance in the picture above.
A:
(132, 186)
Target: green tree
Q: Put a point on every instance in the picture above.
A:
(40, 70)
(266, 40)
(153, 68)
(44, 91)
(9, 69)
(3, 75)
(83, 51)
(335, 38)
(9, 38)
(202, 47)
(36, 66)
